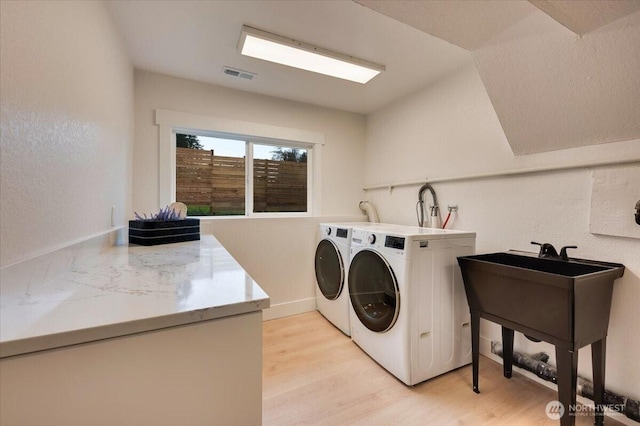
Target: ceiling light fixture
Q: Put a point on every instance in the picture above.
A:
(274, 48)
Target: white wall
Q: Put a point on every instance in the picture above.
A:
(67, 126)
(342, 153)
(449, 130)
(278, 253)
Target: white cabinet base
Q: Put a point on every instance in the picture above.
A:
(206, 373)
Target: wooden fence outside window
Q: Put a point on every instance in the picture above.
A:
(215, 185)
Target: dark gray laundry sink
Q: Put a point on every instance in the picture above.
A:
(566, 300)
(563, 302)
(526, 260)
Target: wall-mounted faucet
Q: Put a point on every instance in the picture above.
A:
(549, 251)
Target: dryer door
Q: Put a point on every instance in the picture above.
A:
(329, 269)
(373, 290)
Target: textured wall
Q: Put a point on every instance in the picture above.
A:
(451, 130)
(67, 125)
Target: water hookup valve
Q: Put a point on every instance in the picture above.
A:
(638, 212)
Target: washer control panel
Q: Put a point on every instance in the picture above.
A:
(394, 242)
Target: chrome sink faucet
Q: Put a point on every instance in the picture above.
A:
(549, 251)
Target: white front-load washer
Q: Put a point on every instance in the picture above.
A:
(331, 268)
(408, 309)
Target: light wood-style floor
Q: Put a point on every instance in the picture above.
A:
(314, 374)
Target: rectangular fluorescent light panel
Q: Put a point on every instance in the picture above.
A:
(281, 50)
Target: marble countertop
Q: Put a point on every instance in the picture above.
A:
(127, 290)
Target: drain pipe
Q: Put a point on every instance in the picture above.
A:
(370, 210)
(537, 364)
(433, 210)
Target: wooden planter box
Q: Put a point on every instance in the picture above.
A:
(154, 232)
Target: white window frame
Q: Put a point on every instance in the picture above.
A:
(172, 122)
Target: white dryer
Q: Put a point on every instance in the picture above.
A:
(408, 309)
(331, 267)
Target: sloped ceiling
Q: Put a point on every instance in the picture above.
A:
(560, 74)
(553, 90)
(467, 24)
(584, 16)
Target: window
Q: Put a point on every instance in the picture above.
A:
(228, 177)
(253, 137)
(280, 179)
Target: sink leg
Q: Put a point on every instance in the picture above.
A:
(475, 348)
(567, 379)
(598, 357)
(507, 351)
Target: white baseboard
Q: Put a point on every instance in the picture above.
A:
(289, 308)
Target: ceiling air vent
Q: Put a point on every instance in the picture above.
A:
(239, 73)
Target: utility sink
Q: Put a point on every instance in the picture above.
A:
(563, 302)
(570, 268)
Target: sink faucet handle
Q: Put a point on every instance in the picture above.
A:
(546, 250)
(563, 252)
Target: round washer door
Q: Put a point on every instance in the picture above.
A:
(329, 269)
(373, 290)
